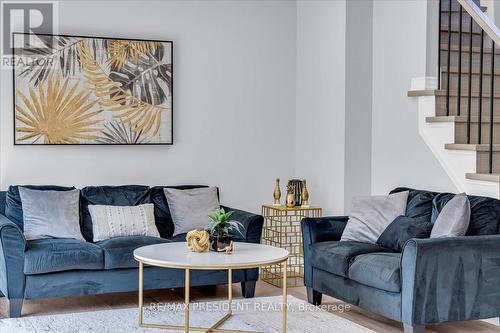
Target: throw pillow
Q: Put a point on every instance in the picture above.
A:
(13, 204)
(190, 208)
(453, 220)
(117, 221)
(51, 214)
(370, 215)
(402, 229)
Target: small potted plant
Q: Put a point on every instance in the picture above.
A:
(220, 226)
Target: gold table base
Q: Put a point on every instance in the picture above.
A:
(216, 326)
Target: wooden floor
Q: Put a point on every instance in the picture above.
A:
(127, 300)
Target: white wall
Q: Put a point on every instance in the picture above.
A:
(260, 93)
(358, 92)
(399, 155)
(234, 105)
(321, 101)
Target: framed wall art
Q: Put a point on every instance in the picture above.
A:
(75, 90)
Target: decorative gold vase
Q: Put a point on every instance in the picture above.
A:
(290, 196)
(305, 194)
(277, 193)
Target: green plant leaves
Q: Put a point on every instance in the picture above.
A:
(221, 224)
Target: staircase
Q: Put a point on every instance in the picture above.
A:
(460, 120)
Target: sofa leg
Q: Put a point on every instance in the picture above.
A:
(313, 296)
(414, 329)
(248, 289)
(15, 306)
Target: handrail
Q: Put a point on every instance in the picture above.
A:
(481, 19)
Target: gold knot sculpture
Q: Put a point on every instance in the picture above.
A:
(198, 240)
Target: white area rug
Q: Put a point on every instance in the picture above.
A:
(260, 314)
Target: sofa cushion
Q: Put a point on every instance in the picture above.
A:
(335, 257)
(377, 270)
(126, 195)
(119, 251)
(61, 254)
(419, 205)
(484, 217)
(13, 205)
(163, 218)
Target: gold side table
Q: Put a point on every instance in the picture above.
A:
(282, 229)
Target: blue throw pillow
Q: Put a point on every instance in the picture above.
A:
(401, 230)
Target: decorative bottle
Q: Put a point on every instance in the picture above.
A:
(305, 194)
(277, 193)
(290, 197)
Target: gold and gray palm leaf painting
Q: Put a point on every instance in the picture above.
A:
(81, 90)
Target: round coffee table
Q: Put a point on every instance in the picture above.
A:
(177, 255)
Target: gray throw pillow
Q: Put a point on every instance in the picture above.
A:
(190, 208)
(370, 215)
(51, 214)
(454, 218)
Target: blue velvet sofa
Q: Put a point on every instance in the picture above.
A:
(431, 281)
(64, 267)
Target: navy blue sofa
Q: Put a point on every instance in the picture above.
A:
(431, 281)
(64, 267)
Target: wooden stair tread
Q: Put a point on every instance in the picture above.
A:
(471, 146)
(460, 119)
(455, 30)
(489, 177)
(475, 71)
(442, 92)
(475, 49)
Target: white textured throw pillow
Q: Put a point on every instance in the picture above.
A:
(370, 215)
(116, 221)
(190, 208)
(454, 218)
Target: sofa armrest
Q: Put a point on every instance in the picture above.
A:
(12, 246)
(252, 225)
(319, 229)
(448, 279)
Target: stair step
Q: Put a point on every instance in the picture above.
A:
(475, 70)
(472, 147)
(475, 79)
(476, 38)
(442, 93)
(482, 155)
(488, 177)
(476, 57)
(460, 119)
(474, 94)
(455, 27)
(461, 130)
(465, 49)
(455, 22)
